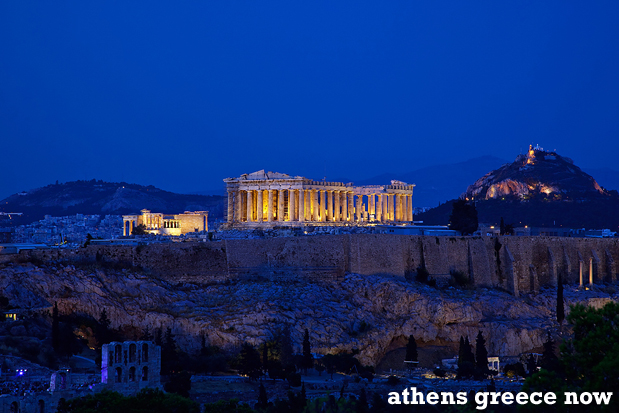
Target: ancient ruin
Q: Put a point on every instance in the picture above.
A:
(165, 224)
(130, 366)
(266, 199)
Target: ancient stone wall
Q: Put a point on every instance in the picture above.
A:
(516, 264)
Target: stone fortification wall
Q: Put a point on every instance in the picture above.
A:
(516, 264)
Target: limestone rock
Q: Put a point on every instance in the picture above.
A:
(371, 313)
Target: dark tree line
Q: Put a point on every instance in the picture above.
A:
(473, 365)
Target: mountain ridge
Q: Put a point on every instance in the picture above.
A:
(100, 197)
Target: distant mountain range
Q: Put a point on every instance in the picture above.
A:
(99, 197)
(434, 185)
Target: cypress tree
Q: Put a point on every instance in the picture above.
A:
(263, 399)
(461, 352)
(481, 354)
(55, 328)
(285, 350)
(468, 351)
(308, 360)
(265, 358)
(158, 339)
(549, 360)
(103, 336)
(362, 403)
(560, 301)
(411, 349)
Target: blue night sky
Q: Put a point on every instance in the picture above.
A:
(182, 96)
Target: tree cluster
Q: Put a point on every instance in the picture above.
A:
(588, 361)
(473, 366)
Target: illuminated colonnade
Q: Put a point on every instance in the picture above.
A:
(279, 199)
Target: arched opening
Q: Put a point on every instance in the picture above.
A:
(118, 350)
(132, 374)
(111, 358)
(118, 377)
(144, 373)
(132, 351)
(145, 353)
(14, 407)
(41, 407)
(63, 381)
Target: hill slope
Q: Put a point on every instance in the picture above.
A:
(538, 189)
(99, 197)
(538, 173)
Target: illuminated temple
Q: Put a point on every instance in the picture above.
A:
(267, 199)
(165, 224)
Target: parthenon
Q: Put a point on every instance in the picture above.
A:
(267, 199)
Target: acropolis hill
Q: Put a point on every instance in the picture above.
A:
(244, 290)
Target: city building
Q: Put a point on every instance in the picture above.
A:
(165, 224)
(267, 199)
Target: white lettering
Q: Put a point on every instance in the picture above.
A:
(481, 399)
(432, 398)
(585, 397)
(571, 397)
(394, 398)
(507, 398)
(602, 397)
(462, 399)
(550, 398)
(522, 398)
(534, 398)
(447, 394)
(405, 394)
(417, 396)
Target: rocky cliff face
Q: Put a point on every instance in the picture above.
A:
(539, 172)
(336, 314)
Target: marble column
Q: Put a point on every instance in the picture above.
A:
(230, 205)
(410, 207)
(379, 208)
(391, 202)
(344, 195)
(329, 206)
(580, 272)
(372, 205)
(260, 205)
(302, 205)
(292, 213)
(321, 208)
(238, 204)
(270, 206)
(385, 209)
(338, 213)
(358, 204)
(315, 213)
(250, 206)
(590, 271)
(351, 206)
(280, 205)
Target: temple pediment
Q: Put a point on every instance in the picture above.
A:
(262, 175)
